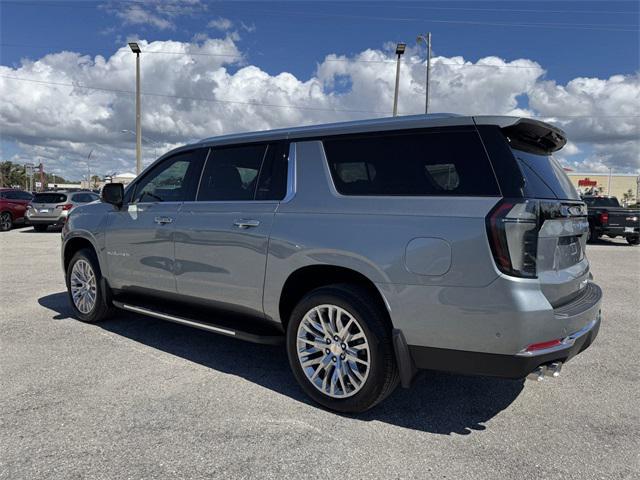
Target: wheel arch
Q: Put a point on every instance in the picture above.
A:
(73, 245)
(307, 278)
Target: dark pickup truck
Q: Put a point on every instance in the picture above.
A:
(607, 217)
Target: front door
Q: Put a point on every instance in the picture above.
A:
(222, 238)
(139, 237)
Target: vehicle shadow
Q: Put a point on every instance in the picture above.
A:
(437, 402)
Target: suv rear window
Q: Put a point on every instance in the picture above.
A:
(411, 164)
(544, 177)
(49, 198)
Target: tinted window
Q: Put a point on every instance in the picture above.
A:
(601, 201)
(544, 177)
(84, 197)
(20, 195)
(272, 183)
(49, 198)
(425, 163)
(173, 180)
(231, 173)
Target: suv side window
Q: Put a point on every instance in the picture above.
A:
(437, 162)
(173, 180)
(84, 197)
(231, 173)
(272, 184)
(20, 195)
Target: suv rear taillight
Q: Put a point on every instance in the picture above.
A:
(512, 227)
(68, 206)
(604, 218)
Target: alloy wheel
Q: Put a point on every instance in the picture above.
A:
(83, 286)
(333, 351)
(5, 222)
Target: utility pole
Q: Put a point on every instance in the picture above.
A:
(136, 49)
(399, 51)
(426, 38)
(609, 185)
(89, 170)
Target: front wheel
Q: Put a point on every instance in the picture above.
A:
(340, 348)
(5, 222)
(633, 239)
(88, 299)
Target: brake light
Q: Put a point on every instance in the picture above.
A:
(512, 228)
(67, 206)
(543, 345)
(604, 218)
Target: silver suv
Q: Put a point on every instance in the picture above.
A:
(52, 208)
(370, 249)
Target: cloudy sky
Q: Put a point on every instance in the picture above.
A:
(67, 77)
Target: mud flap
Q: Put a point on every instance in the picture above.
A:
(406, 366)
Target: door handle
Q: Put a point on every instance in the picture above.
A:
(163, 220)
(246, 223)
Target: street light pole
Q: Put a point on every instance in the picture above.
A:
(136, 49)
(399, 51)
(426, 39)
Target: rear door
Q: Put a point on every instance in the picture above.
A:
(139, 236)
(562, 265)
(222, 237)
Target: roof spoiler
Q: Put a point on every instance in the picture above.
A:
(528, 135)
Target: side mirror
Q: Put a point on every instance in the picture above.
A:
(113, 193)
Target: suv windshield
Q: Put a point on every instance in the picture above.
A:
(544, 177)
(49, 198)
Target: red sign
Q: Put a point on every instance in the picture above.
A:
(586, 182)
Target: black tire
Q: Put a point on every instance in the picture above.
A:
(593, 236)
(102, 307)
(633, 239)
(40, 228)
(383, 375)
(6, 221)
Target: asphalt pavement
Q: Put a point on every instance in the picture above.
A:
(140, 398)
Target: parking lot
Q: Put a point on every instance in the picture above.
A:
(140, 398)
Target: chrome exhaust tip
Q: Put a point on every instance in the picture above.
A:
(537, 375)
(551, 370)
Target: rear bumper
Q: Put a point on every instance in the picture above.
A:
(45, 221)
(618, 231)
(496, 365)
(584, 311)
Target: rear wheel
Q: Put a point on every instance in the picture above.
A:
(340, 349)
(88, 299)
(40, 228)
(5, 222)
(593, 236)
(633, 239)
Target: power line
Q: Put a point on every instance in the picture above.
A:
(578, 26)
(129, 92)
(181, 97)
(518, 10)
(240, 56)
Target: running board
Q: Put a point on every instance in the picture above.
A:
(249, 337)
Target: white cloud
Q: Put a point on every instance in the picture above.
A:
(60, 125)
(220, 23)
(159, 14)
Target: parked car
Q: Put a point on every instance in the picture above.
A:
(51, 208)
(607, 217)
(13, 205)
(370, 249)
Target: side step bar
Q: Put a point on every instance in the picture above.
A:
(249, 337)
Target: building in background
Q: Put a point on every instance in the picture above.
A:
(624, 186)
